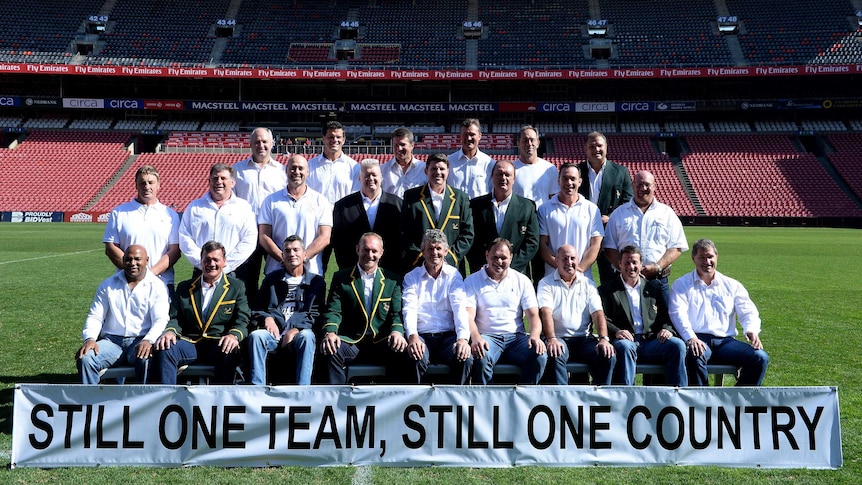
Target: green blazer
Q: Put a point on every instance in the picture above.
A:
(520, 227)
(347, 315)
(618, 311)
(228, 311)
(456, 221)
(616, 187)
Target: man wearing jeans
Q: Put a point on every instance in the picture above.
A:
(638, 322)
(285, 315)
(497, 299)
(704, 308)
(568, 304)
(128, 313)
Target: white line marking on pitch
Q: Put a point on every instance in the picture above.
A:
(362, 476)
(46, 257)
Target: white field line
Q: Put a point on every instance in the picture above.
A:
(49, 256)
(363, 476)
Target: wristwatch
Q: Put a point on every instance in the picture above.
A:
(605, 338)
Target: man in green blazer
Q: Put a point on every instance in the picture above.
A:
(606, 184)
(436, 205)
(209, 318)
(639, 324)
(505, 214)
(363, 317)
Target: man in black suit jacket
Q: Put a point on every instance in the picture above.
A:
(650, 338)
(369, 210)
(514, 215)
(614, 187)
(420, 212)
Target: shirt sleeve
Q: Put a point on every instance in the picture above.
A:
(97, 314)
(159, 311)
(458, 302)
(188, 245)
(410, 303)
(678, 309)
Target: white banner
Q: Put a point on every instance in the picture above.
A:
(471, 426)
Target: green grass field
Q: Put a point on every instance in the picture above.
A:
(800, 278)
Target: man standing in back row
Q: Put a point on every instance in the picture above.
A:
(606, 184)
(470, 168)
(147, 222)
(220, 216)
(256, 178)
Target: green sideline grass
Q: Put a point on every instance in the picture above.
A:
(801, 278)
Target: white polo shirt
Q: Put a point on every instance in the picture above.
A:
(334, 179)
(536, 181)
(289, 216)
(500, 306)
(574, 225)
(253, 183)
(571, 305)
(653, 231)
(396, 182)
(154, 227)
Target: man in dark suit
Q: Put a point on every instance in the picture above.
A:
(368, 210)
(505, 214)
(606, 184)
(637, 318)
(363, 317)
(209, 318)
(436, 205)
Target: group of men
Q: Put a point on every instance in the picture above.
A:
(458, 260)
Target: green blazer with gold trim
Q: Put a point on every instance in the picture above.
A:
(456, 221)
(228, 311)
(347, 314)
(520, 226)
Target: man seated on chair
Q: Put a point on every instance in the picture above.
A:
(209, 318)
(639, 324)
(128, 313)
(497, 299)
(288, 305)
(704, 307)
(568, 303)
(435, 313)
(362, 323)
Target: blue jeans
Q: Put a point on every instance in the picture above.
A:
(671, 353)
(439, 349)
(206, 352)
(509, 348)
(727, 351)
(261, 343)
(583, 350)
(113, 350)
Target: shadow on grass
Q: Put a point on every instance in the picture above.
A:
(7, 392)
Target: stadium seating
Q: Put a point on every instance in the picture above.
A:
(847, 159)
(183, 178)
(794, 33)
(60, 171)
(666, 33)
(161, 31)
(761, 176)
(542, 34)
(452, 141)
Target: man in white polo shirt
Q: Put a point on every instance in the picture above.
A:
(497, 299)
(469, 167)
(147, 222)
(570, 218)
(568, 304)
(256, 178)
(295, 210)
(404, 171)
